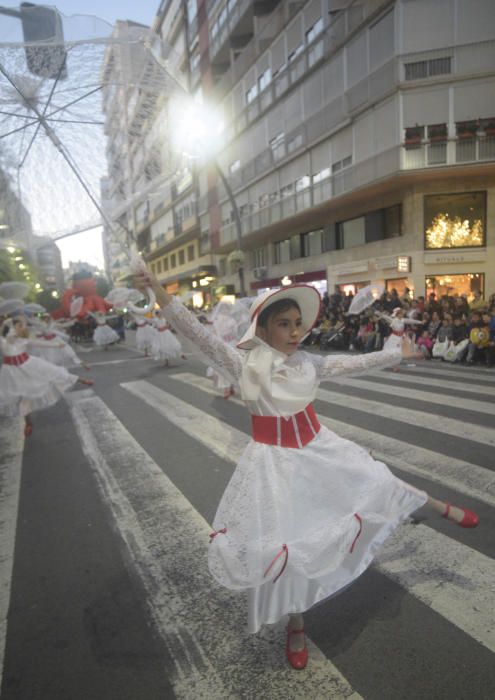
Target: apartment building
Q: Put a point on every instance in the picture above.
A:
(360, 141)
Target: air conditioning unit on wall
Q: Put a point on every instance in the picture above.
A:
(260, 273)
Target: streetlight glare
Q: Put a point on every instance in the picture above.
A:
(196, 128)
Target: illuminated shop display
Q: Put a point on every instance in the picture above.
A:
(456, 284)
(455, 220)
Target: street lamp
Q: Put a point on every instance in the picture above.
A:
(196, 131)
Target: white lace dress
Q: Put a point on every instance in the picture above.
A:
(165, 345)
(62, 356)
(296, 525)
(104, 335)
(31, 385)
(145, 335)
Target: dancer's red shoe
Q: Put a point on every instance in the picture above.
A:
(470, 519)
(297, 659)
(87, 382)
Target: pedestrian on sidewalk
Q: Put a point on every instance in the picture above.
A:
(305, 511)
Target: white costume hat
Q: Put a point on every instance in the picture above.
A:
(396, 310)
(307, 298)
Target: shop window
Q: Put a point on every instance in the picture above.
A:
(467, 284)
(182, 257)
(190, 253)
(401, 285)
(455, 220)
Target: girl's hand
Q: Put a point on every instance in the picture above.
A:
(408, 352)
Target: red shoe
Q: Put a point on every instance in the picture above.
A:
(28, 429)
(297, 659)
(87, 382)
(470, 519)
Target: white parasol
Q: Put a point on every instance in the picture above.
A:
(76, 305)
(33, 308)
(14, 290)
(11, 306)
(365, 297)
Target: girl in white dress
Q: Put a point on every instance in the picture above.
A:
(225, 326)
(145, 334)
(60, 354)
(103, 335)
(305, 511)
(165, 345)
(29, 383)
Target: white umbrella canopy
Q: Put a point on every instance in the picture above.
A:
(14, 290)
(120, 297)
(76, 306)
(34, 308)
(365, 298)
(52, 94)
(11, 306)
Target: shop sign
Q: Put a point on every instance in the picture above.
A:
(467, 256)
(383, 263)
(351, 269)
(403, 263)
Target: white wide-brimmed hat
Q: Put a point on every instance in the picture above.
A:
(307, 298)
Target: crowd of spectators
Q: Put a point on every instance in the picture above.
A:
(449, 327)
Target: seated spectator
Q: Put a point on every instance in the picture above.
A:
(479, 337)
(432, 303)
(444, 336)
(490, 352)
(425, 344)
(478, 302)
(434, 324)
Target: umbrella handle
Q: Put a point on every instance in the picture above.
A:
(143, 310)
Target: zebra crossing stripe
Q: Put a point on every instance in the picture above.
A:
(464, 595)
(434, 383)
(202, 624)
(11, 442)
(464, 477)
(462, 371)
(450, 426)
(436, 398)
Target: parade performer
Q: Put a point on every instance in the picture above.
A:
(397, 322)
(145, 334)
(103, 335)
(305, 511)
(61, 353)
(225, 326)
(29, 383)
(165, 345)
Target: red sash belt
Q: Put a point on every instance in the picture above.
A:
(16, 359)
(294, 431)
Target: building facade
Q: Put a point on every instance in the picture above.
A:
(360, 141)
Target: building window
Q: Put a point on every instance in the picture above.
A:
(264, 79)
(159, 267)
(294, 143)
(467, 284)
(281, 252)
(295, 53)
(311, 243)
(165, 264)
(455, 220)
(302, 183)
(295, 247)
(340, 164)
(287, 190)
(251, 94)
(259, 257)
(182, 257)
(322, 175)
(173, 262)
(437, 132)
(190, 253)
(352, 233)
(234, 167)
(313, 31)
(277, 145)
(427, 69)
(153, 268)
(222, 267)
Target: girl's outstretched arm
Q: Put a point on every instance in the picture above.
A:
(329, 366)
(226, 358)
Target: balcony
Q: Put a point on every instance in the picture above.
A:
(238, 26)
(450, 152)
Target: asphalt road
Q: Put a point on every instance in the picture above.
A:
(103, 542)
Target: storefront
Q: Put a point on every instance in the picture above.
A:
(317, 279)
(460, 284)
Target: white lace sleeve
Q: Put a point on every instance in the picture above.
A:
(329, 366)
(219, 353)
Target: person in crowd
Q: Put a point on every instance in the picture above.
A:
(434, 324)
(478, 303)
(475, 337)
(425, 343)
(490, 352)
(432, 303)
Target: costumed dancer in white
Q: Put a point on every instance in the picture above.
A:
(29, 383)
(305, 511)
(225, 327)
(60, 354)
(397, 322)
(145, 334)
(103, 335)
(165, 345)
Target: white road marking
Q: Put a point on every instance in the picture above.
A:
(420, 559)
(462, 371)
(436, 397)
(464, 477)
(434, 383)
(201, 623)
(11, 442)
(412, 417)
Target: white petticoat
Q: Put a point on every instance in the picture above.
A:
(306, 499)
(165, 346)
(34, 385)
(145, 336)
(104, 335)
(63, 357)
